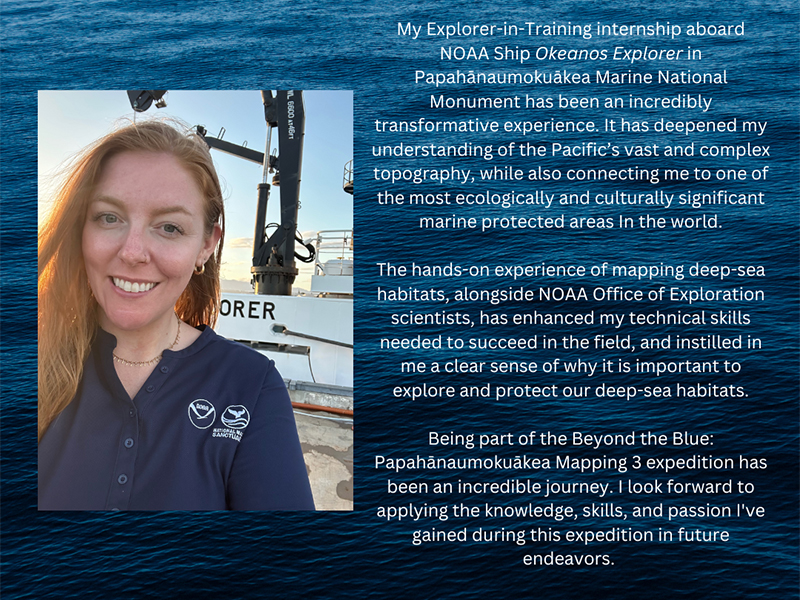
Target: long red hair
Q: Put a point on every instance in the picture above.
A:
(67, 310)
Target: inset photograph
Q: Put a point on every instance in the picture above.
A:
(195, 300)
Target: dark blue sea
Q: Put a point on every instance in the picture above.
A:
(105, 45)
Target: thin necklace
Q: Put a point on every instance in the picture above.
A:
(152, 361)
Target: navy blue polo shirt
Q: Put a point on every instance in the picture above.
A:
(211, 429)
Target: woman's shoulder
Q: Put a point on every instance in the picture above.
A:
(247, 374)
(215, 351)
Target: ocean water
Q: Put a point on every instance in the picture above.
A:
(323, 45)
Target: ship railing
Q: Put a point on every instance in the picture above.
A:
(333, 263)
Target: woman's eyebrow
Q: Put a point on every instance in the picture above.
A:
(158, 212)
(172, 209)
(108, 200)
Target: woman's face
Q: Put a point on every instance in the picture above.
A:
(144, 234)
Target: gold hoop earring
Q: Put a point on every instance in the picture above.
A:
(200, 270)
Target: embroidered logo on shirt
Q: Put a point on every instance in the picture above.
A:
(236, 417)
(202, 413)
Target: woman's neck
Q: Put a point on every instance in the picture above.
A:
(146, 343)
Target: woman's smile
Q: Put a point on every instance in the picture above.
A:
(134, 287)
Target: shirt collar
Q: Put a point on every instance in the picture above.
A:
(105, 343)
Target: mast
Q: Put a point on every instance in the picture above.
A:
(274, 269)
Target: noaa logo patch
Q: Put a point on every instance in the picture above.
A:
(202, 413)
(236, 417)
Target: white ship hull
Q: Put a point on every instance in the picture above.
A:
(271, 324)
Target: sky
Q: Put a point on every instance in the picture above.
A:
(71, 120)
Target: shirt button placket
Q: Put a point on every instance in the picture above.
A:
(120, 495)
(119, 498)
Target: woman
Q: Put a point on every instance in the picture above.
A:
(141, 405)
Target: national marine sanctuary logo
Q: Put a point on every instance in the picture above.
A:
(235, 418)
(202, 413)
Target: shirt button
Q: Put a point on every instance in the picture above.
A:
(129, 443)
(150, 388)
(131, 413)
(114, 510)
(122, 479)
(164, 369)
